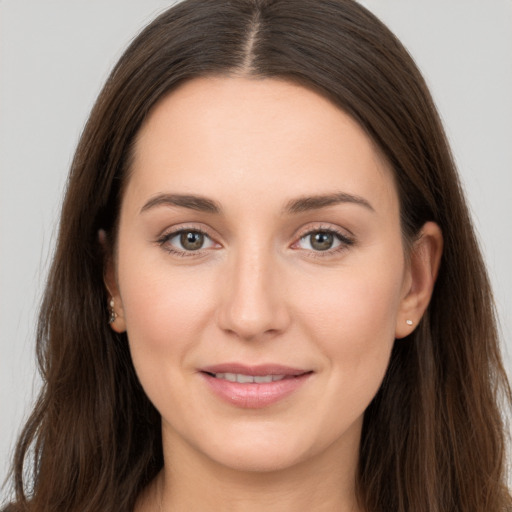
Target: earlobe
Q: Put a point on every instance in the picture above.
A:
(424, 262)
(116, 316)
(114, 305)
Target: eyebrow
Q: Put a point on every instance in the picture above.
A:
(307, 203)
(300, 205)
(198, 203)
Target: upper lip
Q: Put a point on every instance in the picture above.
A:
(255, 371)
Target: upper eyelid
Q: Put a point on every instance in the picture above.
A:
(164, 238)
(300, 233)
(163, 241)
(173, 231)
(309, 229)
(344, 236)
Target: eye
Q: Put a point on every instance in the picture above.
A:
(186, 240)
(323, 240)
(320, 241)
(191, 240)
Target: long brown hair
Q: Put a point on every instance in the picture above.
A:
(433, 438)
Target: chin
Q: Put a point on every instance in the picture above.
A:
(271, 450)
(257, 460)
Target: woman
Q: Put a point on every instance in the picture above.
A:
(266, 291)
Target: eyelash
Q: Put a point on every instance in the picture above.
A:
(163, 240)
(344, 240)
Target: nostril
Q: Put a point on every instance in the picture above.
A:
(251, 304)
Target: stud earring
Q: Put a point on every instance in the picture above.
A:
(408, 322)
(113, 314)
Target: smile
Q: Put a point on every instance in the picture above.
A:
(246, 379)
(254, 387)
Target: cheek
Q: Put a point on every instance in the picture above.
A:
(353, 325)
(163, 308)
(165, 321)
(354, 304)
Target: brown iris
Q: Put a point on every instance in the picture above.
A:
(191, 240)
(322, 240)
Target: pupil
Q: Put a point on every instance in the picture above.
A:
(322, 241)
(191, 240)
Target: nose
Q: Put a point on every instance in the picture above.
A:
(253, 298)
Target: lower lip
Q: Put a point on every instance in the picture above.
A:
(254, 395)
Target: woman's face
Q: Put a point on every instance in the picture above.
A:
(259, 241)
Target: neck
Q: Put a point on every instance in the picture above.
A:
(191, 481)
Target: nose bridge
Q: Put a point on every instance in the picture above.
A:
(253, 303)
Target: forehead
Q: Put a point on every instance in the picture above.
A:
(255, 136)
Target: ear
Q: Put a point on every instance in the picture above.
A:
(421, 274)
(115, 303)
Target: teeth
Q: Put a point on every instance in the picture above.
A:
(244, 379)
(263, 378)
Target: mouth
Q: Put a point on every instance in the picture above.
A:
(254, 387)
(248, 379)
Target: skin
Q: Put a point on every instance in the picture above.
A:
(259, 291)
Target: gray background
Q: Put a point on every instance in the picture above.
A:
(54, 57)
